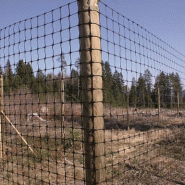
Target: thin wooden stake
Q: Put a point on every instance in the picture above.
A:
(177, 103)
(128, 119)
(62, 107)
(18, 133)
(159, 104)
(1, 120)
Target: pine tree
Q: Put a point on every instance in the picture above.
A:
(140, 91)
(20, 76)
(132, 94)
(148, 86)
(49, 83)
(77, 64)
(40, 84)
(72, 86)
(1, 70)
(24, 77)
(176, 87)
(8, 78)
(183, 98)
(162, 82)
(118, 89)
(74, 82)
(63, 63)
(57, 86)
(29, 77)
(108, 95)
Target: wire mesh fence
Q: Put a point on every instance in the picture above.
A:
(144, 107)
(88, 96)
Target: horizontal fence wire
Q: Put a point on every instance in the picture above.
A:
(54, 126)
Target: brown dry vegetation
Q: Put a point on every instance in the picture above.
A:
(150, 152)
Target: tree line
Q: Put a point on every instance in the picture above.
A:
(40, 83)
(141, 93)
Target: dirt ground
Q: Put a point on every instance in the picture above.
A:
(147, 149)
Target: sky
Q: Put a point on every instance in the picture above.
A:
(165, 19)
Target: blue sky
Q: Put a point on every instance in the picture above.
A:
(164, 18)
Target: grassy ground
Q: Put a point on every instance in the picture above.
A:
(150, 152)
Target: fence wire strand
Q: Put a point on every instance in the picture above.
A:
(54, 126)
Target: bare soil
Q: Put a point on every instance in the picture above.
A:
(143, 150)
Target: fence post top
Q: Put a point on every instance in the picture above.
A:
(92, 4)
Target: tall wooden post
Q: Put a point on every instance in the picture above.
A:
(92, 94)
(78, 83)
(1, 117)
(171, 98)
(178, 103)
(128, 119)
(159, 104)
(62, 106)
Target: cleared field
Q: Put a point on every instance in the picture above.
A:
(150, 152)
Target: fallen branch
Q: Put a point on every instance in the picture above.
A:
(68, 161)
(18, 133)
(35, 115)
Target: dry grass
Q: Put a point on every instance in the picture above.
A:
(150, 152)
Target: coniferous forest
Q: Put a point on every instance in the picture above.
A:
(141, 93)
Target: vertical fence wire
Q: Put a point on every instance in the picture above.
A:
(87, 96)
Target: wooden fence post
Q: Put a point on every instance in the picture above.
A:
(159, 104)
(62, 106)
(1, 117)
(128, 119)
(92, 93)
(178, 103)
